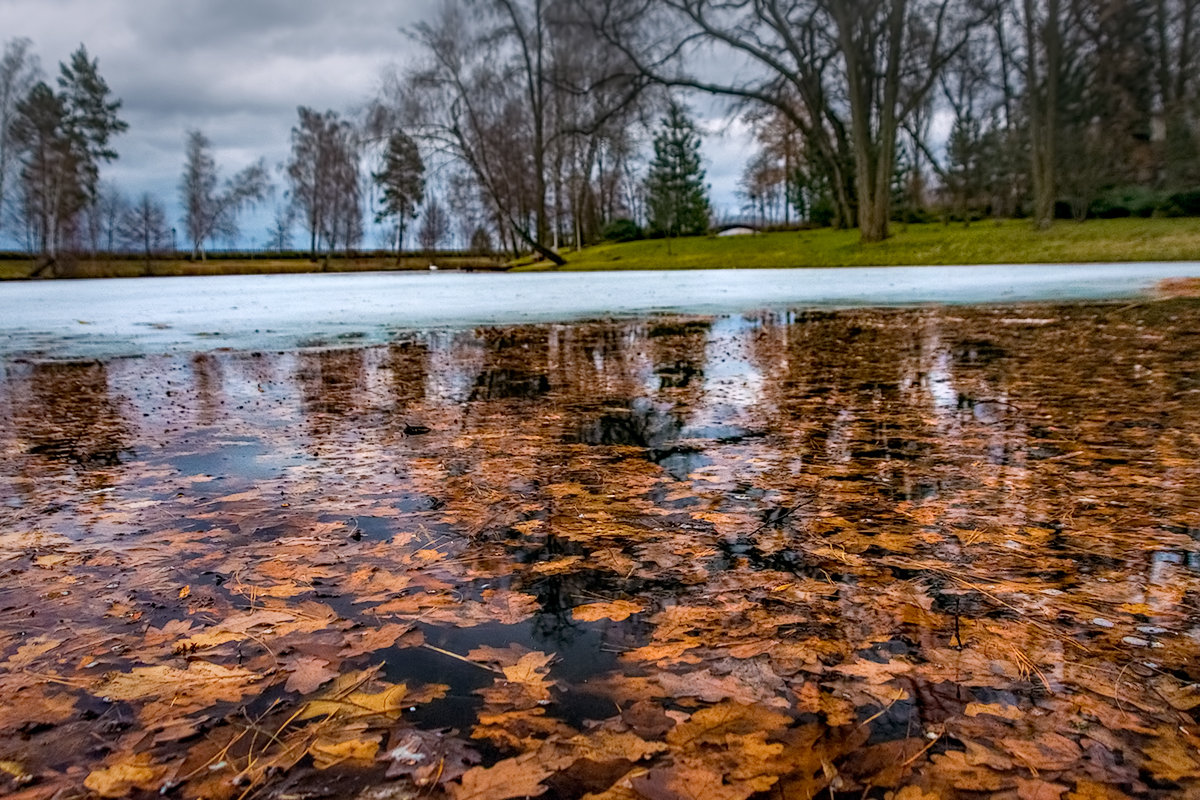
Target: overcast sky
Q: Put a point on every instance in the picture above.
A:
(237, 70)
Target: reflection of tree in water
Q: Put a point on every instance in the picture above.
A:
(408, 361)
(332, 384)
(558, 594)
(69, 416)
(678, 352)
(209, 381)
(515, 365)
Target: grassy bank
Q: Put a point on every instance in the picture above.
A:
(1010, 242)
(17, 269)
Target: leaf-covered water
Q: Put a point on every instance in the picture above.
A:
(909, 554)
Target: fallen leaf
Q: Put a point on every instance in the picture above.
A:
(1091, 790)
(1046, 751)
(330, 751)
(307, 674)
(427, 757)
(515, 777)
(202, 681)
(1034, 789)
(688, 782)
(607, 745)
(715, 723)
(994, 709)
(616, 610)
(531, 668)
(121, 778)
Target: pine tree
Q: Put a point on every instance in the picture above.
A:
(93, 116)
(677, 199)
(63, 139)
(402, 179)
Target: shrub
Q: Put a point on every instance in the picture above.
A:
(622, 230)
(1127, 201)
(1187, 202)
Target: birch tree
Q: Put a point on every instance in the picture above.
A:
(210, 207)
(18, 72)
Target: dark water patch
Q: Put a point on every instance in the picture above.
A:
(582, 655)
(379, 529)
(246, 459)
(787, 561)
(643, 424)
(80, 454)
(892, 448)
(680, 462)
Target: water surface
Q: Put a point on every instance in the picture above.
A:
(783, 553)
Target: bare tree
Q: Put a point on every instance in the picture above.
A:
(144, 227)
(323, 171)
(210, 209)
(19, 71)
(471, 102)
(279, 235)
(846, 73)
(531, 106)
(1175, 31)
(435, 225)
(1042, 27)
(102, 218)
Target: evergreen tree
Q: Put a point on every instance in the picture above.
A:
(63, 138)
(50, 167)
(402, 179)
(677, 199)
(93, 116)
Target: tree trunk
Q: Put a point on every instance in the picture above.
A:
(1043, 109)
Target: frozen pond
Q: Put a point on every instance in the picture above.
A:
(141, 316)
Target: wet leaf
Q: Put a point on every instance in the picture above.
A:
(688, 782)
(1048, 751)
(123, 777)
(306, 674)
(514, 777)
(427, 757)
(616, 610)
(331, 751)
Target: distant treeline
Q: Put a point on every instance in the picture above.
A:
(429, 256)
(554, 124)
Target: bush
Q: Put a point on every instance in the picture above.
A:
(1187, 202)
(822, 212)
(622, 230)
(1128, 201)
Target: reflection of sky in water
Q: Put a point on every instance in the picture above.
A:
(455, 362)
(732, 382)
(939, 372)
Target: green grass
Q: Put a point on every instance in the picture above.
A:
(1009, 242)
